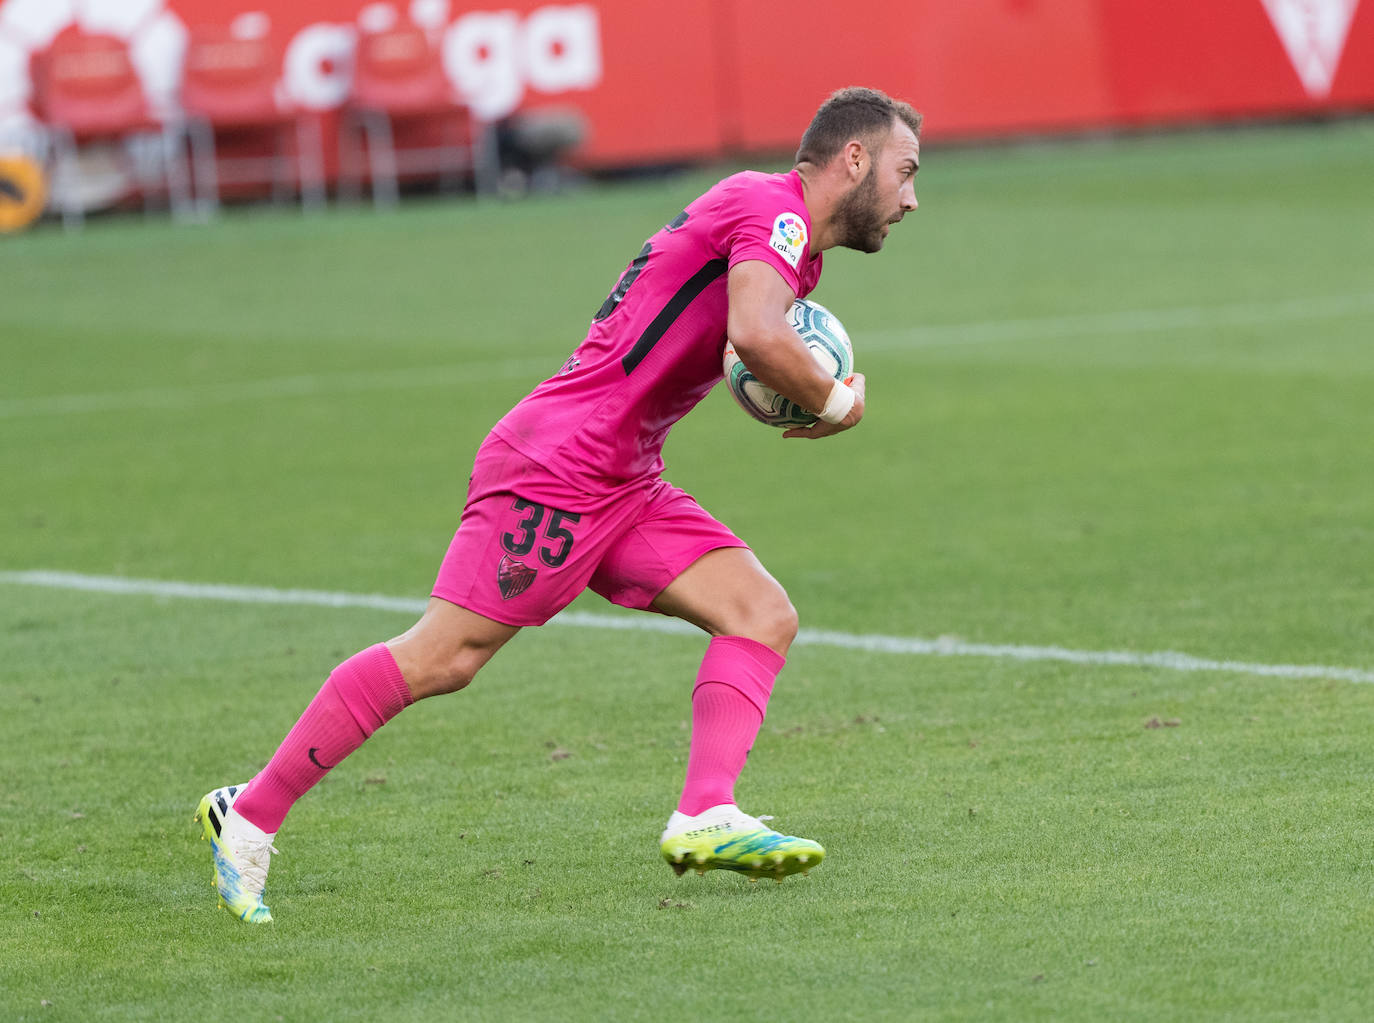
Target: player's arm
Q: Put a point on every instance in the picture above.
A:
(757, 326)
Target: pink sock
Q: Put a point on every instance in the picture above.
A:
(728, 705)
(360, 695)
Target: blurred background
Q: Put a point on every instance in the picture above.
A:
(175, 106)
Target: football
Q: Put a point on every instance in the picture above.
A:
(829, 343)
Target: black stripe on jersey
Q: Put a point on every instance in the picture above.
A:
(654, 332)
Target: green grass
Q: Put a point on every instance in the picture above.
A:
(1120, 399)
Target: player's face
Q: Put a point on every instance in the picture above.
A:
(885, 195)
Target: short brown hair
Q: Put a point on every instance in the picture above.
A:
(853, 113)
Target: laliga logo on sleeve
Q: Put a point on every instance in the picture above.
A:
(789, 237)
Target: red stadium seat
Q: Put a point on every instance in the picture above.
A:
(230, 92)
(87, 91)
(410, 116)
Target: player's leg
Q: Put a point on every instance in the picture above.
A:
(729, 594)
(514, 561)
(440, 654)
(682, 562)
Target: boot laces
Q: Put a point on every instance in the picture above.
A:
(253, 860)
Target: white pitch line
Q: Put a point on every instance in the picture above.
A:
(1137, 321)
(870, 643)
(897, 339)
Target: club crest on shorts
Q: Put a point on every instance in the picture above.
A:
(513, 577)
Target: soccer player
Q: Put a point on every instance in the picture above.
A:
(567, 493)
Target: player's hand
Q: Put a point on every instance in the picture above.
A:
(819, 429)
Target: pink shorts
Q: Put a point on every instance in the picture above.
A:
(529, 543)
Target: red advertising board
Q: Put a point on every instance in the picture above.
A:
(976, 67)
(704, 78)
(1175, 60)
(641, 99)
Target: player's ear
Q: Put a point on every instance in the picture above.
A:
(855, 157)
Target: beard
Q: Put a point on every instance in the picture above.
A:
(858, 219)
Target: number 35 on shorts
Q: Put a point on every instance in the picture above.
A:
(554, 541)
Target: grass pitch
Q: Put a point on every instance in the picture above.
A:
(1120, 400)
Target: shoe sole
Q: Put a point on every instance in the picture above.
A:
(777, 865)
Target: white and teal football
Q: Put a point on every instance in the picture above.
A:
(829, 343)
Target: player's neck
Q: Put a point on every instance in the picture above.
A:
(820, 192)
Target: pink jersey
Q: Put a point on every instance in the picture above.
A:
(654, 348)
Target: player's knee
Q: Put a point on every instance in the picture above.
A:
(455, 674)
(433, 671)
(785, 625)
(772, 621)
